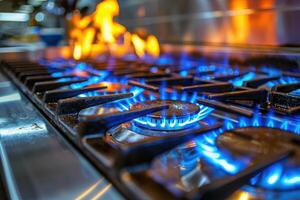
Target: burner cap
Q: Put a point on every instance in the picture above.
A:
(255, 140)
(179, 115)
(254, 143)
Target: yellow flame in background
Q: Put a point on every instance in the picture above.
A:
(99, 32)
(77, 51)
(240, 23)
(246, 23)
(152, 46)
(87, 40)
(139, 45)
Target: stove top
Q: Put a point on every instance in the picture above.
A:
(175, 130)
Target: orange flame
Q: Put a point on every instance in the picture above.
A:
(139, 45)
(149, 46)
(152, 46)
(99, 29)
(77, 51)
(87, 40)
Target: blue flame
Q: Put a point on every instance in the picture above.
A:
(134, 90)
(240, 80)
(91, 80)
(79, 69)
(199, 69)
(90, 69)
(165, 59)
(282, 80)
(275, 176)
(271, 71)
(97, 76)
(164, 123)
(207, 148)
(203, 68)
(94, 76)
(58, 62)
(154, 69)
(218, 71)
(184, 73)
(175, 123)
(295, 92)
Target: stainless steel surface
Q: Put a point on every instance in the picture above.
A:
(15, 17)
(234, 22)
(38, 163)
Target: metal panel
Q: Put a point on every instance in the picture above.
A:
(38, 163)
(238, 22)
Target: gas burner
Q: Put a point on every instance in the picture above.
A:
(182, 169)
(250, 145)
(253, 143)
(180, 115)
(255, 140)
(99, 110)
(113, 87)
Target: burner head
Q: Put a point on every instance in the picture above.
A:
(255, 140)
(254, 143)
(180, 115)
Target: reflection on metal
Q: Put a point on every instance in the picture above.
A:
(37, 162)
(203, 15)
(244, 196)
(26, 129)
(10, 97)
(89, 190)
(4, 84)
(255, 22)
(8, 174)
(102, 192)
(240, 28)
(14, 17)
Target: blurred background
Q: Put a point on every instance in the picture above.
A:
(40, 23)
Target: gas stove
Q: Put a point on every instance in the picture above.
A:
(175, 128)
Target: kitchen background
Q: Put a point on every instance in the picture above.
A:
(217, 22)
